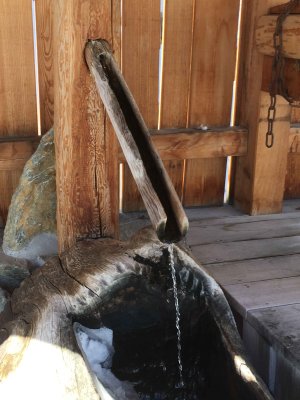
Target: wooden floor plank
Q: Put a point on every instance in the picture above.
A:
(264, 294)
(261, 269)
(280, 325)
(243, 250)
(238, 218)
(237, 231)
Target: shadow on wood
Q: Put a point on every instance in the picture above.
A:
(100, 281)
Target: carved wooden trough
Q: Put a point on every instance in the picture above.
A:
(107, 281)
(127, 287)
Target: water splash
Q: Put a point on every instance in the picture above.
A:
(179, 349)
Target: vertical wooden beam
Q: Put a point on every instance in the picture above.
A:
(260, 175)
(86, 154)
(45, 38)
(212, 75)
(140, 66)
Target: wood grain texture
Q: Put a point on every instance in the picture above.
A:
(291, 79)
(265, 29)
(259, 175)
(45, 41)
(264, 294)
(201, 233)
(261, 269)
(140, 56)
(212, 75)
(84, 155)
(14, 155)
(214, 253)
(161, 201)
(179, 144)
(270, 164)
(18, 114)
(177, 38)
(282, 7)
(8, 180)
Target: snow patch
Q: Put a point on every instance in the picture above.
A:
(97, 348)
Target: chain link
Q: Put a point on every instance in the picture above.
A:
(277, 85)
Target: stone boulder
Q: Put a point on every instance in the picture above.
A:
(30, 230)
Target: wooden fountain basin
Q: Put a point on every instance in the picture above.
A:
(101, 281)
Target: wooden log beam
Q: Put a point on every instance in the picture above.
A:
(265, 29)
(160, 198)
(189, 143)
(86, 162)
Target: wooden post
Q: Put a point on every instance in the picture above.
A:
(86, 152)
(260, 175)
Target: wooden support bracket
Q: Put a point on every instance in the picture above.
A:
(160, 198)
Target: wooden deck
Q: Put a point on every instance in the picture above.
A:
(256, 260)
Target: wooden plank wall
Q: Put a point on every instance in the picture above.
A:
(18, 115)
(191, 86)
(198, 56)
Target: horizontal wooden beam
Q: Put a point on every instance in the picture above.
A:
(179, 144)
(282, 8)
(15, 152)
(265, 29)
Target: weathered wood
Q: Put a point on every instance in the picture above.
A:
(243, 250)
(141, 27)
(14, 154)
(85, 152)
(9, 181)
(282, 7)
(264, 294)
(45, 42)
(17, 81)
(260, 183)
(260, 269)
(260, 175)
(265, 29)
(210, 92)
(231, 232)
(163, 206)
(291, 76)
(180, 144)
(73, 289)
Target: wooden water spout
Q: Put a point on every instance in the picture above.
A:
(160, 198)
(114, 282)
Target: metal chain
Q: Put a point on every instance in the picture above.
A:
(278, 81)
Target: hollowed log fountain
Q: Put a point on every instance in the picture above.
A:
(127, 287)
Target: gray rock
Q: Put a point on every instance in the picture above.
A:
(30, 230)
(12, 273)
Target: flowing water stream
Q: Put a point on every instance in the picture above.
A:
(172, 267)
